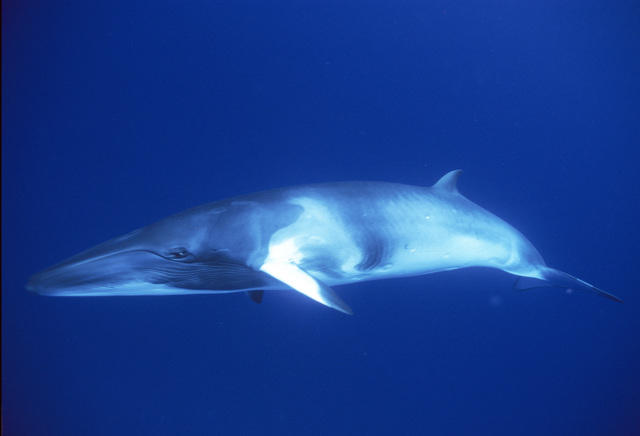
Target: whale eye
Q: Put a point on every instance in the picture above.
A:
(178, 253)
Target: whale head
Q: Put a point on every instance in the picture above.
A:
(182, 254)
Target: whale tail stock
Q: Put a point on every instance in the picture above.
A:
(555, 278)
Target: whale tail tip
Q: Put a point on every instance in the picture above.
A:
(555, 278)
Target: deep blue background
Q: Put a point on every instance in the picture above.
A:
(116, 114)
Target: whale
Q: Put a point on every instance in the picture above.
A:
(309, 239)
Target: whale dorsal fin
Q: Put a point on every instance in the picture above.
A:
(449, 182)
(293, 276)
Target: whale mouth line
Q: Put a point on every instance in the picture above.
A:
(70, 263)
(141, 271)
(79, 273)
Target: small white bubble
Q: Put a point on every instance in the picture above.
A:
(495, 300)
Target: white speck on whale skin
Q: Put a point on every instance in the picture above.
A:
(411, 250)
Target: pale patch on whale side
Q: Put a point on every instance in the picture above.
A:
(318, 233)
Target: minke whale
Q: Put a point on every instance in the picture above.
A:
(308, 239)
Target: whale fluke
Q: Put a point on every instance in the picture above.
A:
(552, 277)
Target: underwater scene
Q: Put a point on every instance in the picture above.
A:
(320, 218)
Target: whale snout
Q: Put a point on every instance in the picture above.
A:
(41, 283)
(35, 284)
(58, 279)
(88, 275)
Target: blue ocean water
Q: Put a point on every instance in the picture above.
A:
(116, 114)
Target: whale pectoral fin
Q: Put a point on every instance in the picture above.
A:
(256, 296)
(291, 275)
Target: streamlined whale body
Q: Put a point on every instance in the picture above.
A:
(308, 239)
